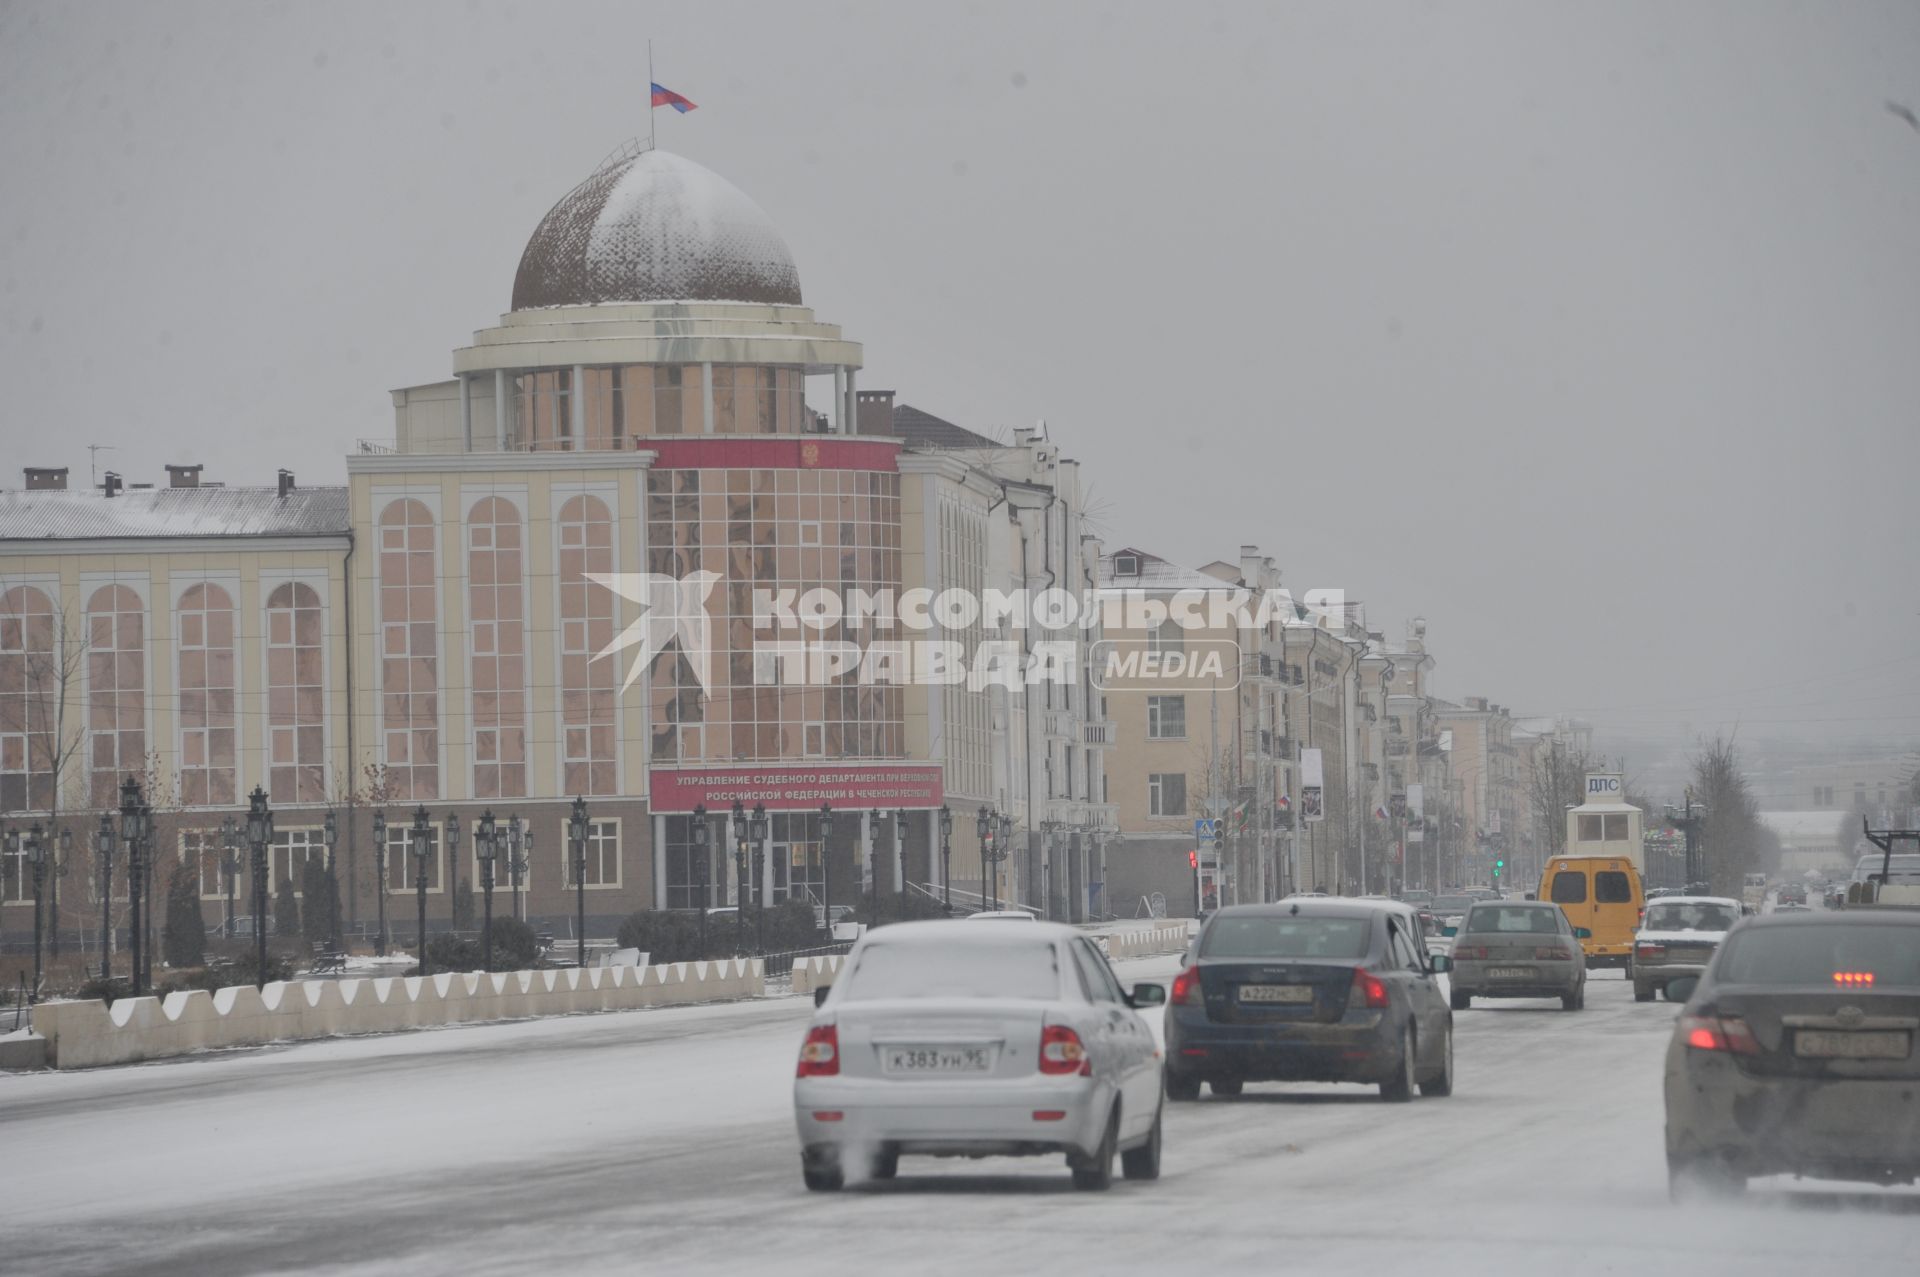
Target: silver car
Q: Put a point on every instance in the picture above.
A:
(1676, 940)
(1518, 949)
(960, 1041)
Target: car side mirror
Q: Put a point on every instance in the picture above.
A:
(1442, 963)
(1147, 994)
(1582, 933)
(820, 992)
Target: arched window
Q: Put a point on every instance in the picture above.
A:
(208, 687)
(587, 687)
(29, 695)
(296, 696)
(497, 647)
(116, 690)
(409, 651)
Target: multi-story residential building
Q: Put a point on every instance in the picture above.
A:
(1488, 779)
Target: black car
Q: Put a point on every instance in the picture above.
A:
(1310, 990)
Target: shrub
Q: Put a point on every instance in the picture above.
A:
(104, 990)
(515, 945)
(463, 905)
(673, 935)
(245, 970)
(183, 942)
(286, 910)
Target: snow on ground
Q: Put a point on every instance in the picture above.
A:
(663, 1141)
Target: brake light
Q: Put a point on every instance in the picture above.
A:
(1649, 950)
(820, 1053)
(1719, 1033)
(1475, 951)
(1554, 952)
(1186, 988)
(1370, 988)
(1853, 979)
(1061, 1052)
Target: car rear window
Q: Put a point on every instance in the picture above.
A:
(1512, 918)
(1611, 887)
(1288, 937)
(1827, 955)
(1453, 904)
(1014, 969)
(1690, 916)
(1569, 887)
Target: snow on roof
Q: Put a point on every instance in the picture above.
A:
(172, 512)
(922, 430)
(1155, 574)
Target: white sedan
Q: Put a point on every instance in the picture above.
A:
(954, 1041)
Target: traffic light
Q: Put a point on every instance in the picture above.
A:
(1499, 866)
(1193, 860)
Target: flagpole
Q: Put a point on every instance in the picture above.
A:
(650, 143)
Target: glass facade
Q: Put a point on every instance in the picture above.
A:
(588, 688)
(28, 693)
(116, 690)
(296, 696)
(497, 649)
(622, 404)
(409, 651)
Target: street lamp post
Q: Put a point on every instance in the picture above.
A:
(484, 846)
(61, 867)
(380, 869)
(103, 844)
(516, 859)
(697, 834)
(33, 845)
(873, 862)
(330, 829)
(984, 824)
(420, 842)
(149, 864)
(1002, 847)
(739, 829)
(259, 836)
(577, 841)
(130, 808)
(826, 861)
(757, 830)
(946, 857)
(899, 865)
(230, 862)
(453, 871)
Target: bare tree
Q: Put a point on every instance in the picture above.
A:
(43, 662)
(1736, 842)
(1554, 784)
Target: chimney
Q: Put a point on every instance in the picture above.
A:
(1476, 702)
(46, 480)
(1024, 435)
(184, 476)
(286, 482)
(873, 412)
(111, 484)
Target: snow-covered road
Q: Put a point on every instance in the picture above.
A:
(663, 1141)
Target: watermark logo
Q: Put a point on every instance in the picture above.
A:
(670, 608)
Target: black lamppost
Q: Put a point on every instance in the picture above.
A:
(899, 863)
(58, 870)
(33, 845)
(697, 837)
(103, 839)
(130, 817)
(984, 825)
(946, 857)
(453, 872)
(259, 837)
(826, 862)
(577, 843)
(739, 875)
(149, 864)
(516, 860)
(380, 868)
(484, 847)
(230, 862)
(873, 862)
(420, 841)
(330, 830)
(1002, 847)
(757, 830)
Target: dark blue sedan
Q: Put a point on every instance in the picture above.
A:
(1310, 990)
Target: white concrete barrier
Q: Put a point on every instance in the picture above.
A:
(1170, 938)
(816, 972)
(87, 1034)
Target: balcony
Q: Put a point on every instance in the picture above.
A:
(1058, 724)
(1099, 733)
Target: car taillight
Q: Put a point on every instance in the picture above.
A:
(1186, 988)
(1719, 1033)
(1370, 988)
(1061, 1052)
(820, 1053)
(1553, 952)
(1853, 979)
(1649, 950)
(1475, 951)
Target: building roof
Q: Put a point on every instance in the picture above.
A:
(924, 431)
(649, 226)
(1155, 574)
(172, 512)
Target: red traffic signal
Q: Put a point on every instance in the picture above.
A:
(1193, 860)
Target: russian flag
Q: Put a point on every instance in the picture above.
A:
(1379, 813)
(667, 97)
(1285, 802)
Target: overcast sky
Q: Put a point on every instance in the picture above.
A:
(1589, 332)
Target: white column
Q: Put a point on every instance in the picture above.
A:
(577, 425)
(466, 412)
(500, 409)
(659, 862)
(899, 851)
(839, 401)
(706, 398)
(853, 402)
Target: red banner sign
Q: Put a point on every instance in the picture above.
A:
(915, 786)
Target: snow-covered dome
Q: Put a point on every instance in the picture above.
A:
(650, 226)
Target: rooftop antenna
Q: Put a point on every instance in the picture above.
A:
(650, 82)
(93, 459)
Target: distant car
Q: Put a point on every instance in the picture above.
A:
(1796, 1054)
(1517, 949)
(1677, 939)
(955, 1041)
(1310, 990)
(1792, 893)
(1416, 898)
(1448, 911)
(1003, 915)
